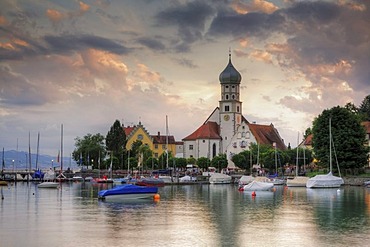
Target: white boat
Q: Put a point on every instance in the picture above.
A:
(48, 185)
(244, 180)
(187, 179)
(297, 181)
(258, 186)
(328, 180)
(219, 178)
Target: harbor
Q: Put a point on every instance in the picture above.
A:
(185, 215)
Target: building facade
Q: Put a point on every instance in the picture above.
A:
(226, 131)
(157, 143)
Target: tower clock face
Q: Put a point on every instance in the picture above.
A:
(226, 117)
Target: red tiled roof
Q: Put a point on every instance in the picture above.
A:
(158, 139)
(128, 130)
(308, 140)
(267, 134)
(209, 130)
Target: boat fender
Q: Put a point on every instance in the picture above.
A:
(156, 197)
(253, 194)
(241, 188)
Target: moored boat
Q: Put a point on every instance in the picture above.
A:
(257, 186)
(151, 181)
(51, 185)
(128, 192)
(219, 178)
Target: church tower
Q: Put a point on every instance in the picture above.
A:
(230, 104)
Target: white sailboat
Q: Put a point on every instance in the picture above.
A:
(166, 178)
(328, 180)
(297, 181)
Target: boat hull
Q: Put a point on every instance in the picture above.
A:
(324, 181)
(128, 192)
(258, 186)
(297, 181)
(51, 185)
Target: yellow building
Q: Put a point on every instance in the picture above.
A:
(157, 143)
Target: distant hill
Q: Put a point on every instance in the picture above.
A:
(21, 160)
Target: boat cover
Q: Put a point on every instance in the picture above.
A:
(325, 181)
(128, 189)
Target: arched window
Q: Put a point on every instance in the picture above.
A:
(214, 150)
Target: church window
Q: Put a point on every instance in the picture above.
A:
(248, 135)
(227, 108)
(214, 151)
(243, 134)
(237, 108)
(191, 147)
(227, 96)
(233, 96)
(243, 144)
(239, 135)
(204, 141)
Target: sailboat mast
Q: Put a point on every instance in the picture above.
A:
(61, 148)
(330, 146)
(296, 162)
(166, 142)
(38, 148)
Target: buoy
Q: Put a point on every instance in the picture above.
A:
(156, 197)
(253, 193)
(241, 188)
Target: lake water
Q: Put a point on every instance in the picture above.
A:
(185, 215)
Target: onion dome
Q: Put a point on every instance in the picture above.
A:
(230, 75)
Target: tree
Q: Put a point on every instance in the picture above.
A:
(219, 161)
(203, 162)
(89, 149)
(191, 161)
(364, 109)
(239, 160)
(116, 141)
(162, 160)
(181, 162)
(348, 137)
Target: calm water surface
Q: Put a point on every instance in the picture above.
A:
(186, 215)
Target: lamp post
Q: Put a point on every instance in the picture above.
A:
(13, 165)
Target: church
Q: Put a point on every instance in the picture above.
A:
(226, 130)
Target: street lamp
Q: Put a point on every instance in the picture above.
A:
(13, 165)
(52, 163)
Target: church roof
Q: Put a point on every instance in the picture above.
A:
(267, 134)
(209, 130)
(230, 75)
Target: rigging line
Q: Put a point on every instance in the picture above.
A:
(336, 158)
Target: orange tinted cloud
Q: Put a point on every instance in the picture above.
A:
(84, 7)
(3, 20)
(255, 6)
(54, 15)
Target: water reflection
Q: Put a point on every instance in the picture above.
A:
(185, 215)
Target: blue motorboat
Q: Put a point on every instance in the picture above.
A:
(128, 192)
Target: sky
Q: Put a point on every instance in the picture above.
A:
(85, 64)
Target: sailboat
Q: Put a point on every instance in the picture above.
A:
(297, 181)
(328, 180)
(274, 178)
(166, 178)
